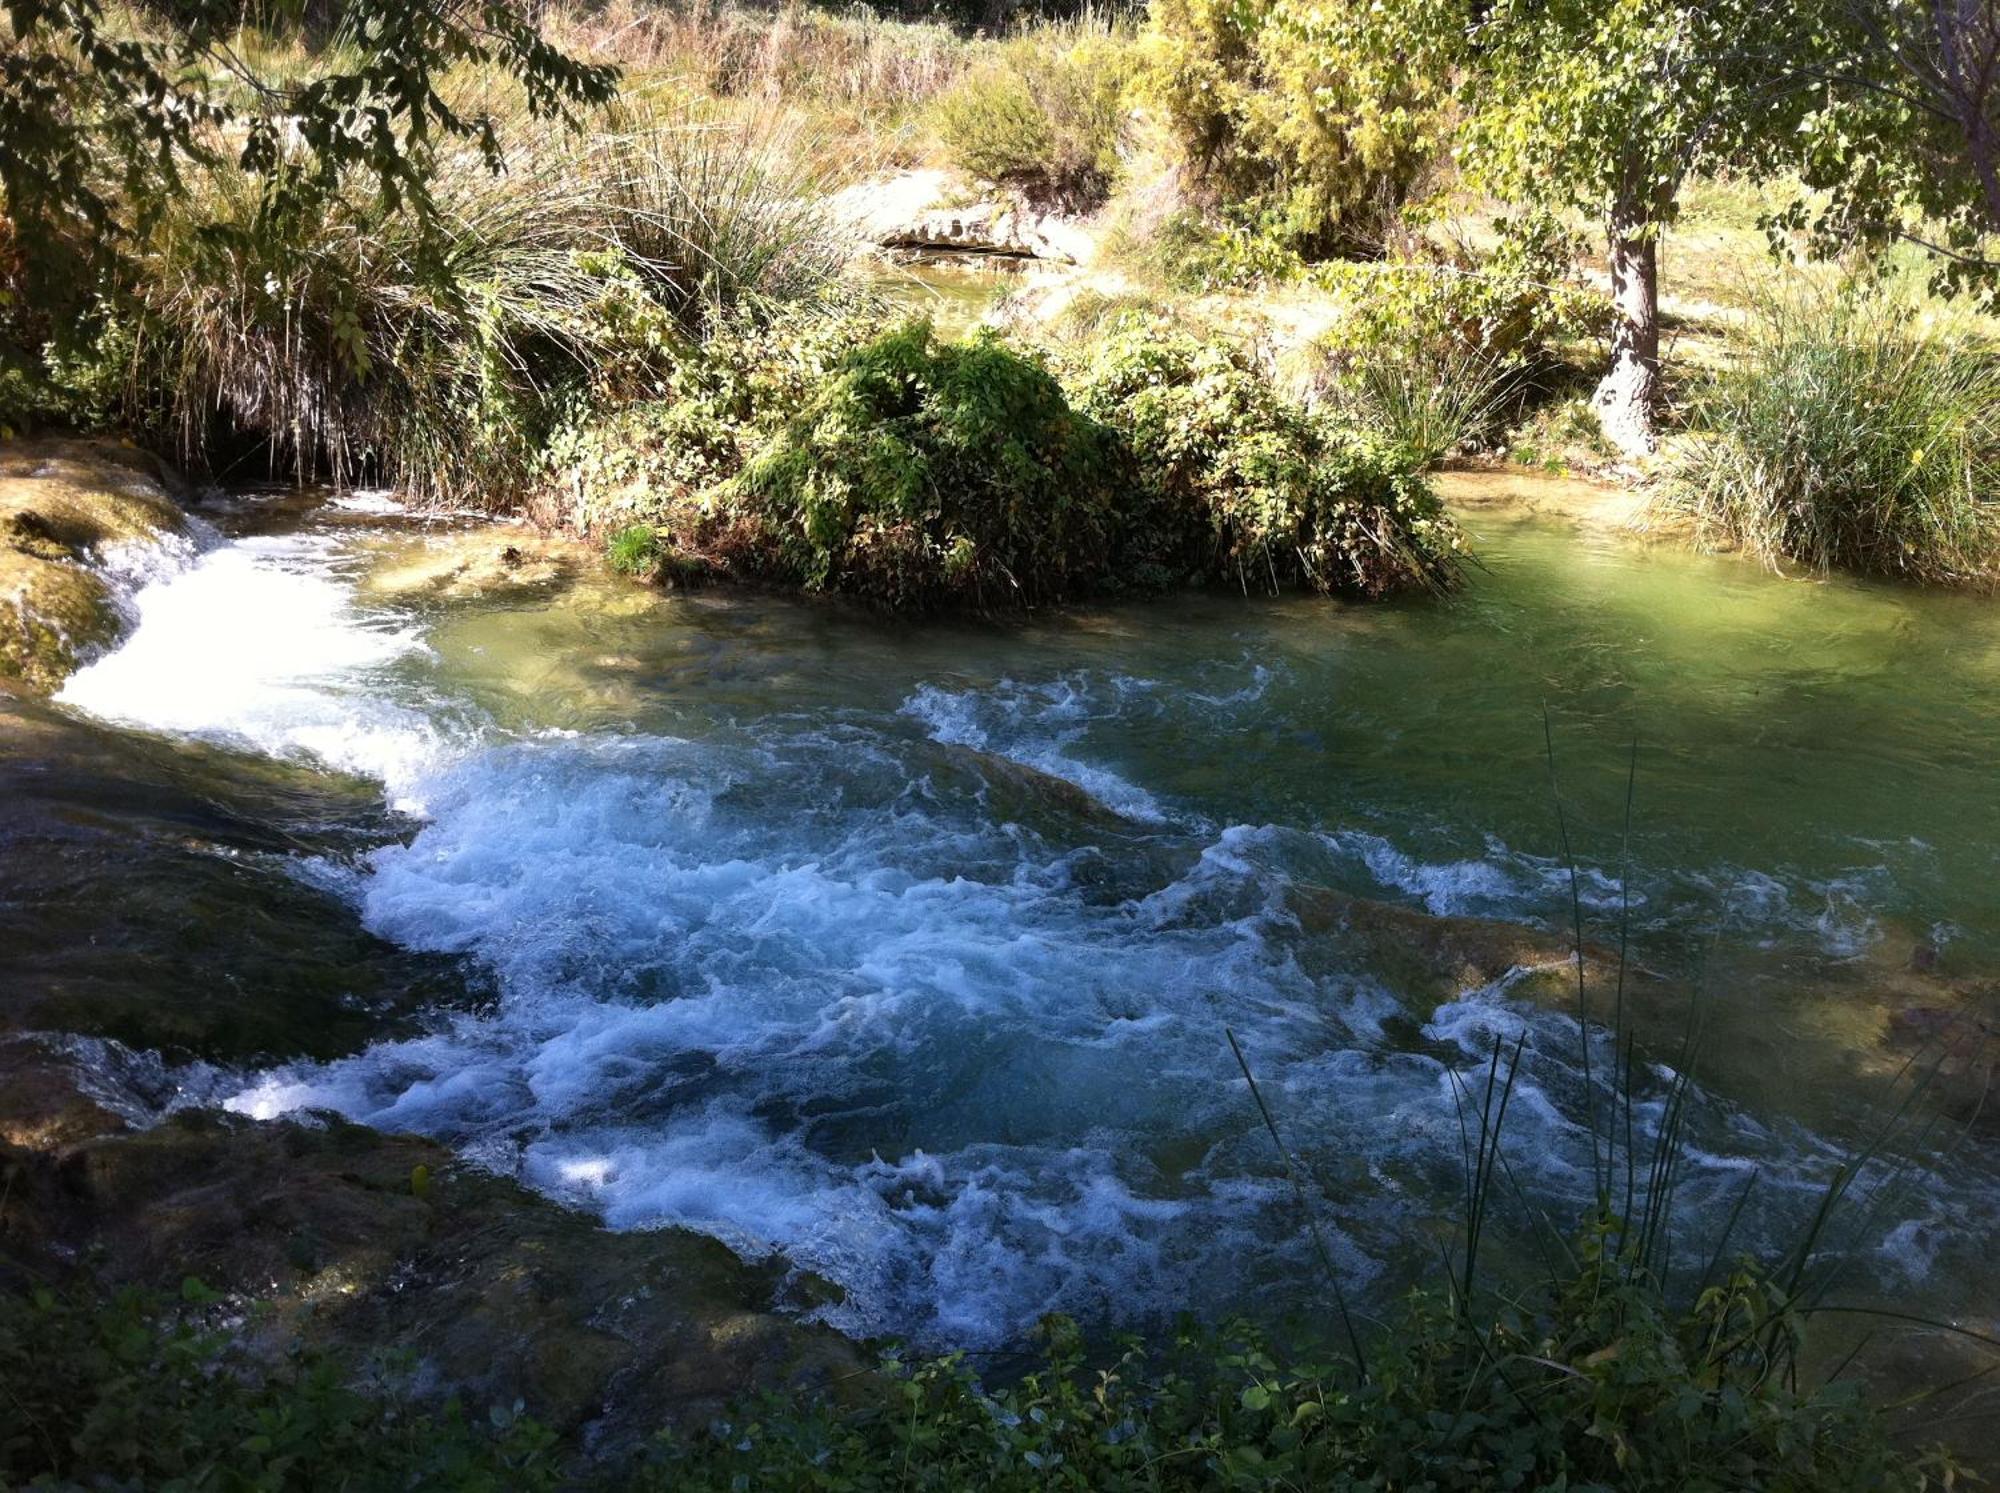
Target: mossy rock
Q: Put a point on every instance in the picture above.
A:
(329, 1235)
(64, 505)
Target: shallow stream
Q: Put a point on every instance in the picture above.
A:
(907, 950)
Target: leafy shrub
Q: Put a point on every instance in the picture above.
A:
(1854, 433)
(1593, 1384)
(1202, 253)
(1045, 116)
(922, 473)
(1255, 489)
(1589, 1380)
(647, 444)
(1291, 118)
(1434, 346)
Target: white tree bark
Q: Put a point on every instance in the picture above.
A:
(1628, 395)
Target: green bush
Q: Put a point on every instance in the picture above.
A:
(924, 473)
(1590, 1380)
(1855, 432)
(1290, 118)
(1252, 488)
(1435, 347)
(649, 448)
(1595, 1384)
(1045, 117)
(921, 474)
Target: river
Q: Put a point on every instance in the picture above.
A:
(906, 950)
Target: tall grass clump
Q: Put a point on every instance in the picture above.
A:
(354, 346)
(1428, 401)
(725, 214)
(1044, 115)
(1856, 432)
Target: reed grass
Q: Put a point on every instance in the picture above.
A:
(357, 347)
(1857, 431)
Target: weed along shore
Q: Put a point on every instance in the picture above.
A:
(1178, 748)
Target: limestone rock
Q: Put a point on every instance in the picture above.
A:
(66, 507)
(335, 1236)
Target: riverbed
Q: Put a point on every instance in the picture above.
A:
(909, 952)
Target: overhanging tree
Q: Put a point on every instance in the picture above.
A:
(98, 118)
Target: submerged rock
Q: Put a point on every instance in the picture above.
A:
(66, 507)
(149, 894)
(485, 561)
(333, 1236)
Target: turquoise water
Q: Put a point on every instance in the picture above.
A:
(906, 951)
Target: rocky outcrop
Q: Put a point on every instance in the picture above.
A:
(67, 508)
(919, 211)
(329, 1235)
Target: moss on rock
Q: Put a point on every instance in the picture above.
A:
(65, 506)
(363, 1244)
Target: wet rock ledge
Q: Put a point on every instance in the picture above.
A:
(330, 1235)
(68, 508)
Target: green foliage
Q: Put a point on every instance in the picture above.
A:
(1857, 432)
(923, 473)
(650, 444)
(1589, 1380)
(1201, 253)
(1044, 116)
(119, 1391)
(722, 215)
(97, 124)
(1293, 116)
(1251, 487)
(1433, 347)
(588, 264)
(920, 474)
(1593, 1383)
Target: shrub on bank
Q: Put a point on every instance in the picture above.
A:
(1592, 1380)
(1044, 117)
(921, 474)
(1258, 491)
(1855, 434)
(1289, 117)
(1436, 346)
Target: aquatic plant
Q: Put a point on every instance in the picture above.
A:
(1856, 432)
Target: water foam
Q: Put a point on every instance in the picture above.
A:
(259, 642)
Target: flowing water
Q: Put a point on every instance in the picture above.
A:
(906, 950)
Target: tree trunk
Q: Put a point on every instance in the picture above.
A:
(1626, 398)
